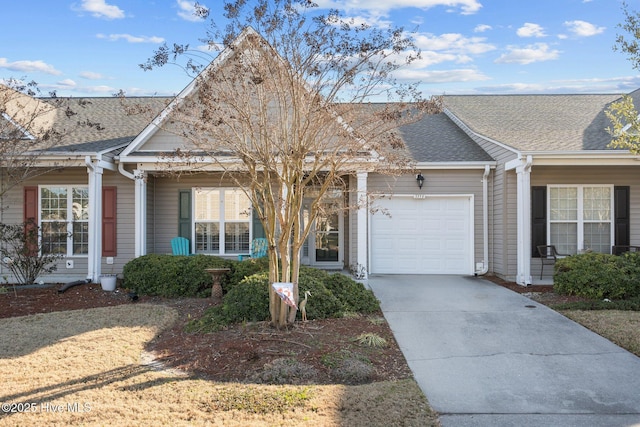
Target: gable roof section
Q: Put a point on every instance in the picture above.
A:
(537, 123)
(154, 126)
(436, 138)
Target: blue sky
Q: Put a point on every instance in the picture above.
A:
(93, 47)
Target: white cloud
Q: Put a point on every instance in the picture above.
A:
(467, 7)
(482, 28)
(453, 43)
(533, 53)
(67, 83)
(100, 9)
(90, 75)
(131, 39)
(583, 28)
(441, 76)
(531, 30)
(187, 10)
(29, 66)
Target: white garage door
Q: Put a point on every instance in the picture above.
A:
(433, 235)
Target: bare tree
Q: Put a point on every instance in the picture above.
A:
(284, 111)
(29, 126)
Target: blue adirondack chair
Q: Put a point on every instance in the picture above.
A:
(258, 249)
(180, 246)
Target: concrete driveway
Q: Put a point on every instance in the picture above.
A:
(487, 356)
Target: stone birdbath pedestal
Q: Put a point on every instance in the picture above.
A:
(216, 276)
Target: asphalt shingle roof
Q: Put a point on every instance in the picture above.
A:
(436, 138)
(537, 122)
(117, 125)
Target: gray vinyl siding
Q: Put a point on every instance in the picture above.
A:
(165, 204)
(445, 182)
(618, 175)
(163, 141)
(502, 206)
(125, 221)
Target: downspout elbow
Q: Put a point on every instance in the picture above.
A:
(124, 172)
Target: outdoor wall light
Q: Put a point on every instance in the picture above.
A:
(420, 180)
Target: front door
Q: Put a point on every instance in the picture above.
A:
(324, 246)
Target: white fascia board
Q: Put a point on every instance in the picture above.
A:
(455, 165)
(153, 127)
(25, 132)
(582, 158)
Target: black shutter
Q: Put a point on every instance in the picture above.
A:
(184, 214)
(621, 214)
(538, 219)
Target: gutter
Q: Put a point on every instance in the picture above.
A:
(485, 220)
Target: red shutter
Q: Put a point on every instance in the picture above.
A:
(109, 246)
(30, 214)
(30, 209)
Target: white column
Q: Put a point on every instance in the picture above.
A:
(94, 261)
(524, 222)
(140, 212)
(362, 264)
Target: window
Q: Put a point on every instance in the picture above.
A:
(64, 220)
(222, 221)
(580, 218)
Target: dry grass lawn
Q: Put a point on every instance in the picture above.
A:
(89, 367)
(619, 327)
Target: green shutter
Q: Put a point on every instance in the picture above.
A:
(184, 214)
(257, 229)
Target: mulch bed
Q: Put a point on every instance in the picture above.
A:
(238, 353)
(241, 352)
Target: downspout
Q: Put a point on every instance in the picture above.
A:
(485, 220)
(140, 195)
(94, 261)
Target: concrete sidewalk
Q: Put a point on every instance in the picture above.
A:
(487, 356)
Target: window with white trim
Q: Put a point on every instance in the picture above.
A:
(580, 218)
(64, 220)
(222, 221)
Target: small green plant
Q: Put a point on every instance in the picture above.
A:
(370, 339)
(376, 320)
(22, 252)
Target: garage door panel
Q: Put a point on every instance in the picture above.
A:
(422, 236)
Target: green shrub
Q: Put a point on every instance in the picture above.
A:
(598, 276)
(246, 268)
(353, 295)
(322, 304)
(248, 300)
(172, 276)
